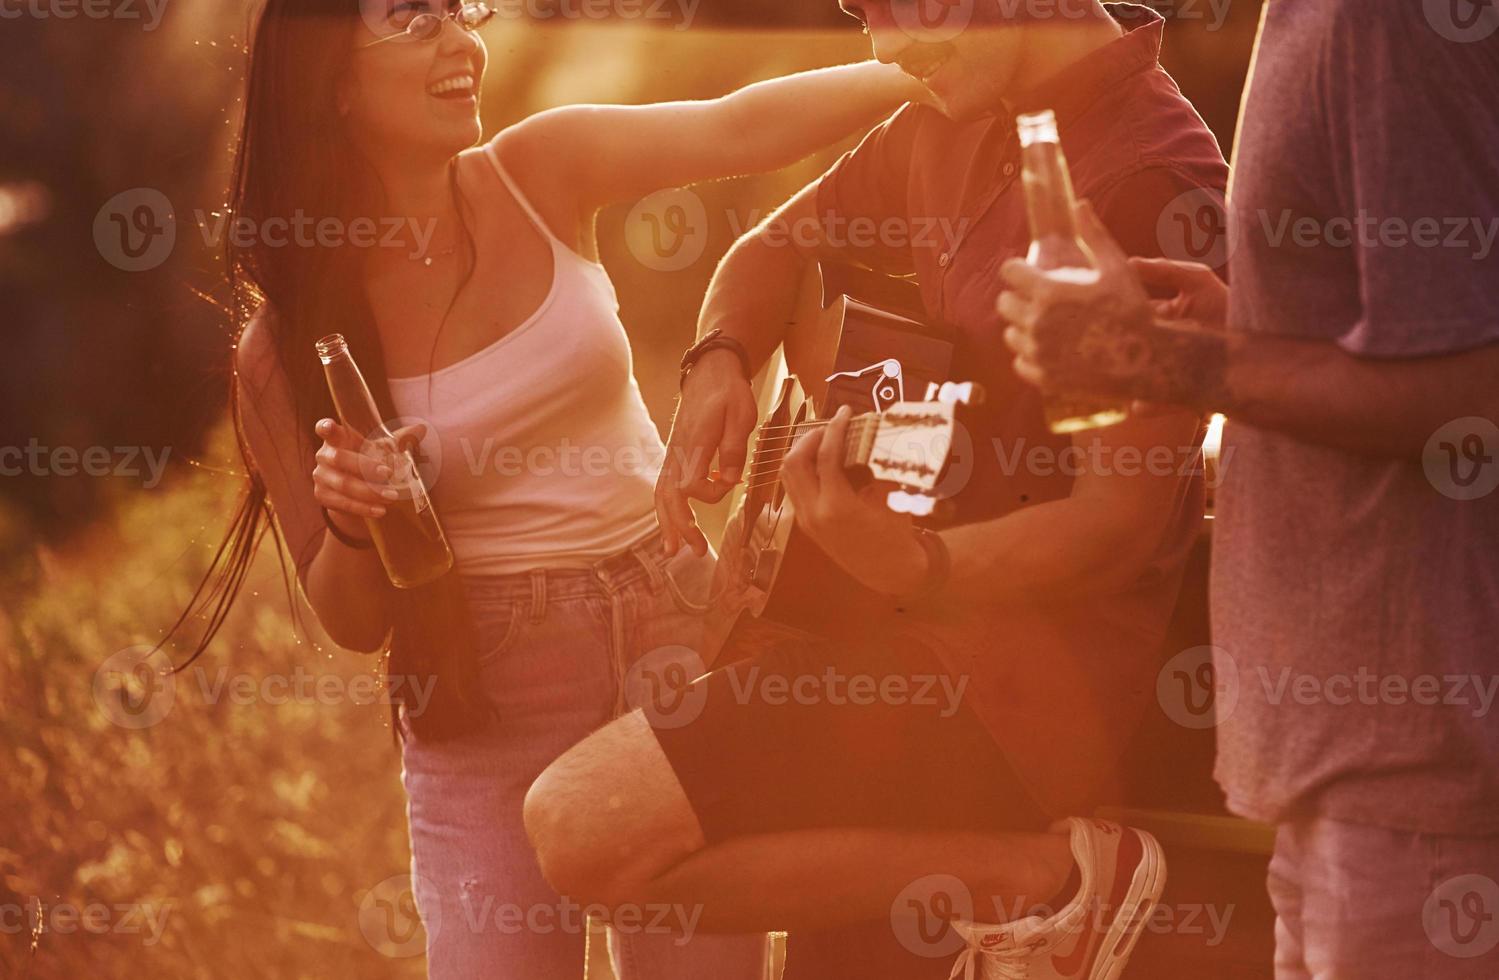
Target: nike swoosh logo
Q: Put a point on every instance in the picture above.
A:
(1131, 851)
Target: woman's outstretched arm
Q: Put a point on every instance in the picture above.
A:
(599, 154)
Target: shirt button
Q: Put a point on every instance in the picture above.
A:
(1009, 170)
(944, 259)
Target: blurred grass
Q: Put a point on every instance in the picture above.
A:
(254, 828)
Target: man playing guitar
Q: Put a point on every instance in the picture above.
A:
(1043, 603)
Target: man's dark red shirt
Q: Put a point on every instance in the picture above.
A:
(1065, 674)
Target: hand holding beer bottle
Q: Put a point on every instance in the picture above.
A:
(1060, 252)
(366, 470)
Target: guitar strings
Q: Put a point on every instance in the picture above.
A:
(868, 418)
(769, 452)
(791, 431)
(768, 447)
(763, 472)
(768, 475)
(765, 459)
(865, 419)
(763, 483)
(800, 426)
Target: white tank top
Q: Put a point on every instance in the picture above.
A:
(548, 457)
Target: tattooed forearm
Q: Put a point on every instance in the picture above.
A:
(1169, 363)
(1184, 365)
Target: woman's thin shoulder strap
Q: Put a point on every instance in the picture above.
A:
(520, 198)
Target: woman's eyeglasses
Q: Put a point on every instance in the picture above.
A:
(426, 25)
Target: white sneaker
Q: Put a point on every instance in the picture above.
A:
(1123, 871)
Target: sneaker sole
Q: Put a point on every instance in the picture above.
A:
(1124, 933)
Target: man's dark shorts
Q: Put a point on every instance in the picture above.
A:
(806, 734)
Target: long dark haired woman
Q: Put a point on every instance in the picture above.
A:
(494, 324)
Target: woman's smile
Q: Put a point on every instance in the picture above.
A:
(461, 87)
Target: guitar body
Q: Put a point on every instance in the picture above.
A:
(758, 535)
(772, 580)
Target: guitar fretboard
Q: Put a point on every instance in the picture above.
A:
(775, 441)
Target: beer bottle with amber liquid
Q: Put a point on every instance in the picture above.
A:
(1058, 251)
(408, 537)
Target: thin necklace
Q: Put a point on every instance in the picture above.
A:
(426, 258)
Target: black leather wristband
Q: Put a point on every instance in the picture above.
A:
(344, 538)
(716, 340)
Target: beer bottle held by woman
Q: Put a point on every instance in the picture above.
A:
(1059, 251)
(408, 537)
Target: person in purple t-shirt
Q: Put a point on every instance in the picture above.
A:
(1356, 567)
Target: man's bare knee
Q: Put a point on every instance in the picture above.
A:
(609, 815)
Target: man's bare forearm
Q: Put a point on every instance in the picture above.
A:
(1315, 391)
(753, 295)
(1126, 493)
(1070, 547)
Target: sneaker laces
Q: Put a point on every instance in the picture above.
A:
(1011, 964)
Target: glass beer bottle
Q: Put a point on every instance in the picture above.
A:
(1058, 250)
(408, 538)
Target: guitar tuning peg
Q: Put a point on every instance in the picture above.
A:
(915, 504)
(952, 393)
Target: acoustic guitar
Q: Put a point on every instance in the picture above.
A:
(858, 341)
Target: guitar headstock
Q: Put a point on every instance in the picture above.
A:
(909, 445)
